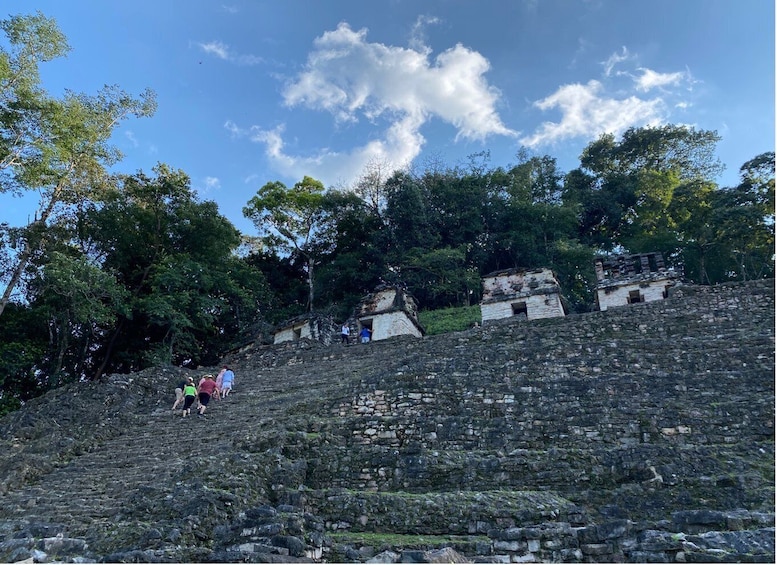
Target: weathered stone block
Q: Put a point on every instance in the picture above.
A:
(595, 549)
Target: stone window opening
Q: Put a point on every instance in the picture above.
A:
(520, 311)
(297, 334)
(635, 296)
(365, 323)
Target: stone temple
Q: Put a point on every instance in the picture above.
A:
(526, 294)
(629, 279)
(389, 311)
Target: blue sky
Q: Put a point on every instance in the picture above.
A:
(253, 91)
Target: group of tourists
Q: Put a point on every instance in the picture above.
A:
(364, 336)
(209, 387)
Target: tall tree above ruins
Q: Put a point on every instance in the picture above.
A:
(289, 218)
(58, 147)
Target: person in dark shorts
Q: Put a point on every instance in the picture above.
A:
(207, 389)
(189, 396)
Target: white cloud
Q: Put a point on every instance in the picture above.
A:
(131, 137)
(232, 128)
(210, 184)
(215, 48)
(417, 34)
(650, 79)
(349, 77)
(587, 112)
(394, 88)
(615, 59)
(223, 52)
(612, 105)
(399, 145)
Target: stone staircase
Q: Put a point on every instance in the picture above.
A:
(634, 434)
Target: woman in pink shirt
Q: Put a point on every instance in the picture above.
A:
(206, 389)
(220, 380)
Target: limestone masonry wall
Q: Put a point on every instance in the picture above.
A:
(557, 386)
(643, 433)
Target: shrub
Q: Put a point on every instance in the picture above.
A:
(449, 319)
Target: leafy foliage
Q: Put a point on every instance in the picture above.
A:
(447, 320)
(118, 273)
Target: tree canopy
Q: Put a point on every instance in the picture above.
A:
(119, 272)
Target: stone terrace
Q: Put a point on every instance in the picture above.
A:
(643, 433)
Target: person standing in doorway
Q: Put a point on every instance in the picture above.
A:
(365, 334)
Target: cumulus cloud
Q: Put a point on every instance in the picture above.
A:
(417, 34)
(399, 145)
(396, 89)
(349, 77)
(611, 105)
(222, 51)
(586, 112)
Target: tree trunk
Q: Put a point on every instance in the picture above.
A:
(310, 285)
(24, 256)
(108, 351)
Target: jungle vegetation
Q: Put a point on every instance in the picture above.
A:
(120, 272)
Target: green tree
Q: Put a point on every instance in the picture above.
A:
(24, 345)
(352, 251)
(624, 189)
(744, 220)
(407, 215)
(58, 147)
(692, 208)
(440, 278)
(191, 298)
(81, 302)
(288, 219)
(685, 150)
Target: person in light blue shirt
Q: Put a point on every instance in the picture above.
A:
(227, 381)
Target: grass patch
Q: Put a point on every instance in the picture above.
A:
(449, 319)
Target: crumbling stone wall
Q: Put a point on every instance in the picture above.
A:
(537, 290)
(307, 326)
(639, 434)
(644, 275)
(389, 311)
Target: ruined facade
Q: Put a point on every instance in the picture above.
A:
(388, 311)
(528, 294)
(306, 326)
(628, 279)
